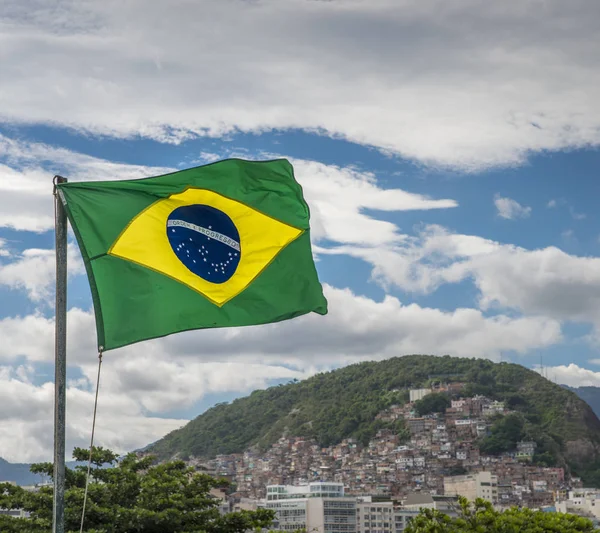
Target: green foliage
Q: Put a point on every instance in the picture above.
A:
(130, 496)
(590, 473)
(457, 470)
(544, 459)
(481, 517)
(343, 403)
(402, 431)
(432, 403)
(505, 434)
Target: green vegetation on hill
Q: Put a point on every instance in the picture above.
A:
(343, 403)
(504, 435)
(432, 403)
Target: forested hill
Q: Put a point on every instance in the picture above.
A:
(343, 403)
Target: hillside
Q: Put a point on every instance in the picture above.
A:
(590, 395)
(343, 403)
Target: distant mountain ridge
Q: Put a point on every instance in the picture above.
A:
(589, 394)
(343, 403)
(18, 473)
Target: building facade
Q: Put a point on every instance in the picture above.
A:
(480, 485)
(375, 517)
(418, 394)
(316, 507)
(583, 501)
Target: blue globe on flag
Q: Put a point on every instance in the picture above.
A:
(205, 240)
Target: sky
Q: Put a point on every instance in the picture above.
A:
(448, 152)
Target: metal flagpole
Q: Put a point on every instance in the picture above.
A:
(60, 355)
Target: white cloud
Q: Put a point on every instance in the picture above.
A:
(57, 160)
(548, 282)
(208, 157)
(337, 195)
(568, 235)
(26, 200)
(469, 84)
(161, 384)
(510, 209)
(356, 328)
(34, 270)
(32, 337)
(544, 282)
(3, 251)
(425, 262)
(572, 375)
(562, 202)
(21, 207)
(135, 386)
(26, 420)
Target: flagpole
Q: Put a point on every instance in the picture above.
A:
(60, 357)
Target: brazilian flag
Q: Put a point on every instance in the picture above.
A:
(224, 244)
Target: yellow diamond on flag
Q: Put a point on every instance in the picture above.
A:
(214, 245)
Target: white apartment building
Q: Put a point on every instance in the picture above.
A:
(481, 485)
(466, 422)
(581, 501)
(221, 497)
(316, 507)
(317, 489)
(481, 429)
(405, 462)
(493, 408)
(446, 504)
(374, 517)
(418, 394)
(383, 517)
(462, 455)
(402, 517)
(324, 508)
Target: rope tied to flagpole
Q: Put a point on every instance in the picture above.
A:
(89, 467)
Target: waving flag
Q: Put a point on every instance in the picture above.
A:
(225, 244)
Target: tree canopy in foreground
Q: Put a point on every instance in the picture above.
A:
(481, 517)
(132, 495)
